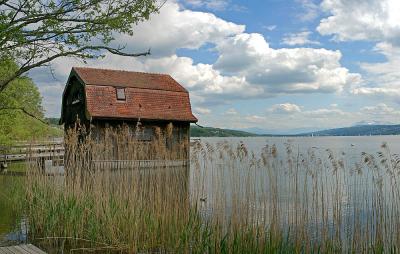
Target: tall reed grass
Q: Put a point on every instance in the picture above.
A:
(231, 200)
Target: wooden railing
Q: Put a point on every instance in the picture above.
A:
(24, 151)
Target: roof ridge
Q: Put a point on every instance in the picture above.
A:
(143, 88)
(99, 76)
(107, 69)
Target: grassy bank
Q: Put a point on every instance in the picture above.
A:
(233, 201)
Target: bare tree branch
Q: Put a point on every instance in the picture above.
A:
(35, 33)
(26, 67)
(18, 11)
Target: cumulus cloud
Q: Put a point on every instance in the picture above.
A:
(202, 111)
(383, 77)
(311, 10)
(369, 20)
(361, 20)
(246, 68)
(311, 119)
(326, 113)
(175, 28)
(380, 108)
(379, 92)
(203, 80)
(298, 70)
(285, 108)
(380, 113)
(301, 38)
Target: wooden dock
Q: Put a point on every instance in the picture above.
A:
(23, 152)
(21, 249)
(44, 152)
(131, 164)
(51, 155)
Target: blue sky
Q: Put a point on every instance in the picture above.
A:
(277, 65)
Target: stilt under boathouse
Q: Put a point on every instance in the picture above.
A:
(151, 107)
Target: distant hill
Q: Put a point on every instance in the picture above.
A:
(274, 132)
(359, 130)
(196, 131)
(52, 121)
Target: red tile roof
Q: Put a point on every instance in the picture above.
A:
(105, 77)
(148, 96)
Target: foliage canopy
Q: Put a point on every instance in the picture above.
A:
(21, 110)
(35, 32)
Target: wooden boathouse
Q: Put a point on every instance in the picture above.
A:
(101, 99)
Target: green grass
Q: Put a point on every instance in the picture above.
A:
(17, 167)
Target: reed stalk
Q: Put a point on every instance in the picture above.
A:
(231, 200)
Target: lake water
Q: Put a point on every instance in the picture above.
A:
(323, 185)
(225, 180)
(10, 223)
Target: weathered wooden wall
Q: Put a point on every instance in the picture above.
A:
(148, 140)
(73, 105)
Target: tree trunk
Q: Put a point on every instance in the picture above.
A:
(6, 82)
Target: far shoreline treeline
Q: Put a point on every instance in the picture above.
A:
(359, 130)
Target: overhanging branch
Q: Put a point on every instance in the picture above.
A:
(26, 67)
(118, 52)
(23, 110)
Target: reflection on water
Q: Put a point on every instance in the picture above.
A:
(337, 188)
(12, 228)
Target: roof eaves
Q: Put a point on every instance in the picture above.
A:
(143, 119)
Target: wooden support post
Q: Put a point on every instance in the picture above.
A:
(3, 166)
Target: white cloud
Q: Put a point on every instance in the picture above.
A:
(255, 118)
(270, 27)
(378, 91)
(311, 10)
(369, 20)
(297, 70)
(361, 20)
(311, 119)
(174, 28)
(383, 77)
(203, 79)
(216, 5)
(284, 108)
(231, 111)
(380, 113)
(381, 108)
(326, 113)
(301, 38)
(202, 111)
(246, 68)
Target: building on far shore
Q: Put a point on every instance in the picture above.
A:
(101, 99)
